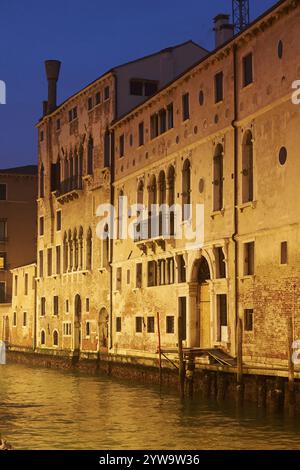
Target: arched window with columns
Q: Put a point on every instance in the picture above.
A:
(89, 249)
(80, 248)
(42, 181)
(71, 254)
(90, 156)
(171, 197)
(152, 201)
(76, 253)
(162, 200)
(66, 252)
(218, 183)
(186, 190)
(247, 171)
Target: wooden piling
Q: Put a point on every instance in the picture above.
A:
(159, 348)
(291, 367)
(240, 383)
(180, 357)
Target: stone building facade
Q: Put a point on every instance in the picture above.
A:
(18, 212)
(75, 143)
(223, 135)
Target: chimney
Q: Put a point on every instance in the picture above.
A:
(224, 31)
(52, 72)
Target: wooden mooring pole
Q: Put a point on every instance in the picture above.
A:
(291, 367)
(159, 348)
(240, 383)
(180, 357)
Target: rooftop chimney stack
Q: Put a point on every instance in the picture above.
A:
(52, 72)
(224, 31)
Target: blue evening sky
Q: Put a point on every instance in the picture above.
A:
(89, 37)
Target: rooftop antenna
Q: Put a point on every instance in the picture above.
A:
(240, 14)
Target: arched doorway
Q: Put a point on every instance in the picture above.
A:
(77, 322)
(201, 277)
(103, 330)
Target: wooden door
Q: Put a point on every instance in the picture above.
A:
(205, 342)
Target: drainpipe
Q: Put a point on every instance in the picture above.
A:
(112, 196)
(236, 215)
(35, 313)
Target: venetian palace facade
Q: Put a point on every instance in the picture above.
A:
(218, 130)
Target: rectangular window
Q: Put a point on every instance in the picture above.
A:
(43, 306)
(73, 114)
(26, 284)
(139, 274)
(49, 259)
(87, 329)
(249, 259)
(170, 324)
(41, 263)
(136, 87)
(284, 253)
(170, 117)
(58, 260)
(220, 263)
(182, 313)
(58, 221)
(128, 276)
(42, 226)
(150, 325)
(138, 324)
(3, 192)
(67, 306)
(67, 330)
(90, 103)
(152, 273)
(162, 121)
(219, 87)
(2, 261)
(16, 285)
(15, 319)
(24, 318)
(222, 318)
(247, 70)
(106, 93)
(154, 126)
(58, 124)
(118, 324)
(2, 292)
(248, 319)
(185, 106)
(3, 230)
(55, 305)
(141, 133)
(119, 279)
(97, 98)
(87, 305)
(181, 269)
(122, 145)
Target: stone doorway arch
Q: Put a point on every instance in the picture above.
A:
(200, 304)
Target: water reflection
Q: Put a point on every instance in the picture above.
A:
(47, 409)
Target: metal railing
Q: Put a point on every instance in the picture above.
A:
(70, 184)
(158, 226)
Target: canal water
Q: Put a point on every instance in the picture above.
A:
(50, 409)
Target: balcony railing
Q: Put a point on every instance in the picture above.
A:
(70, 184)
(158, 226)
